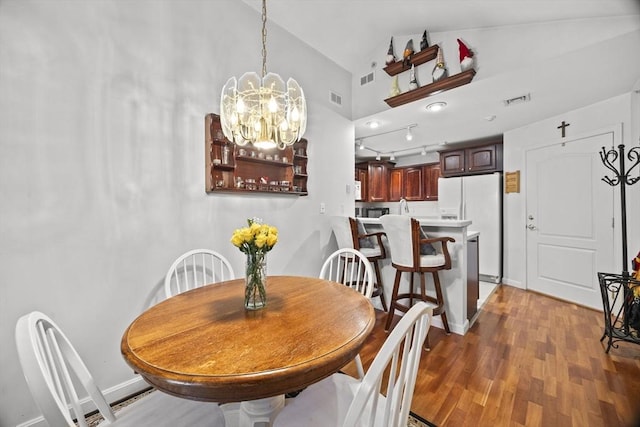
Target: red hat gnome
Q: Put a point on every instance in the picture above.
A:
(466, 56)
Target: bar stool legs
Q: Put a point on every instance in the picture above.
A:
(438, 300)
(378, 289)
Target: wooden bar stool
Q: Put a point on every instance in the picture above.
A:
(349, 236)
(412, 253)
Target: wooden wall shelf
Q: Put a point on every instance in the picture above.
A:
(245, 170)
(416, 59)
(447, 83)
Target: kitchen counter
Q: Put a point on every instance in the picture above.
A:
(427, 222)
(454, 282)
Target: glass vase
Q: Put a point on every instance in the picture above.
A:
(255, 293)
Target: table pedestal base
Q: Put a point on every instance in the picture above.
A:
(252, 413)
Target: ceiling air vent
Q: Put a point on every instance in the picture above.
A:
(366, 79)
(335, 98)
(517, 100)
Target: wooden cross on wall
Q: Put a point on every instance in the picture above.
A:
(563, 126)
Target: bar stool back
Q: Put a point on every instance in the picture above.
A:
(348, 235)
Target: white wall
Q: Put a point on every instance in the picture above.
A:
(605, 114)
(101, 163)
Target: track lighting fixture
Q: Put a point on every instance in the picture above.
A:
(409, 135)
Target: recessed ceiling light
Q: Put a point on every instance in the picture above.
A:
(436, 106)
(490, 118)
(372, 124)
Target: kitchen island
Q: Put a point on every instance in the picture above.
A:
(454, 282)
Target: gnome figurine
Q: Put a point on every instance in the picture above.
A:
(413, 83)
(408, 50)
(466, 56)
(391, 57)
(395, 87)
(440, 70)
(424, 43)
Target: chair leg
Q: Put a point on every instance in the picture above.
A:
(379, 284)
(394, 297)
(440, 299)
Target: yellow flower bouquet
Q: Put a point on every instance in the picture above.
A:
(255, 240)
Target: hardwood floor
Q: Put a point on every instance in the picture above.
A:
(529, 360)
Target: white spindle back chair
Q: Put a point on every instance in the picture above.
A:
(382, 398)
(56, 376)
(196, 268)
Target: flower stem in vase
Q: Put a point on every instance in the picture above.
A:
(255, 294)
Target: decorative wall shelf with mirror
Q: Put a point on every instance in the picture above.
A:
(233, 169)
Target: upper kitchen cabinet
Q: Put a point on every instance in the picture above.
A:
(396, 184)
(472, 160)
(377, 181)
(361, 176)
(406, 183)
(431, 173)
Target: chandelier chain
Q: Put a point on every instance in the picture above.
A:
(264, 37)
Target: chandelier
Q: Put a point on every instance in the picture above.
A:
(263, 110)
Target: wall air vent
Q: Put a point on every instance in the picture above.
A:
(335, 98)
(367, 79)
(517, 100)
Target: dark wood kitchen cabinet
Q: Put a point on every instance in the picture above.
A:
(396, 184)
(413, 185)
(378, 181)
(361, 175)
(452, 162)
(431, 173)
(484, 159)
(473, 277)
(374, 180)
(406, 183)
(472, 160)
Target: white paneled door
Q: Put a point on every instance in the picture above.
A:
(569, 219)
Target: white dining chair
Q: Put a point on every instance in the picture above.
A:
(351, 268)
(58, 378)
(382, 398)
(196, 268)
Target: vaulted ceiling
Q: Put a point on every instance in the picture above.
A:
(347, 31)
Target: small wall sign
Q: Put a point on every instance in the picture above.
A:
(512, 182)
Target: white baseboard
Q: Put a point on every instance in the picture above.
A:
(514, 283)
(112, 394)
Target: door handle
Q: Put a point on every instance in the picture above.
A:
(531, 227)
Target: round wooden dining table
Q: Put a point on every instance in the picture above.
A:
(203, 344)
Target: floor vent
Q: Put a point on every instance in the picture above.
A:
(367, 79)
(517, 100)
(335, 98)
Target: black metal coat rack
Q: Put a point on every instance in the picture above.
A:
(622, 178)
(620, 323)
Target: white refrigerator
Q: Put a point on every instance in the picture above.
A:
(477, 198)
